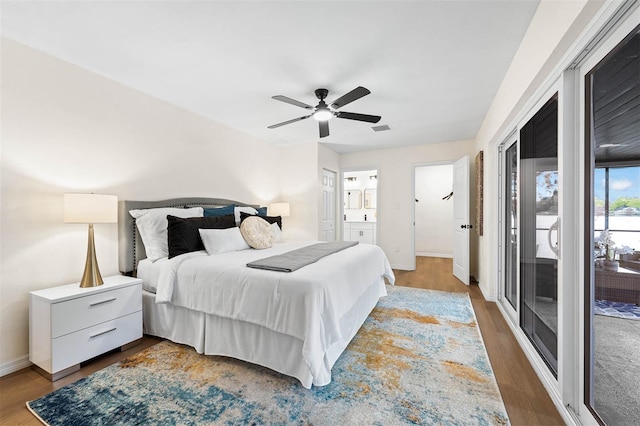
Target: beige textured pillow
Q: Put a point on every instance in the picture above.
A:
(257, 232)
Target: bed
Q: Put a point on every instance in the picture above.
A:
(294, 323)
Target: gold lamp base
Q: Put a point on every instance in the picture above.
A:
(91, 276)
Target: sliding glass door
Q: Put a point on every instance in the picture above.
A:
(612, 234)
(539, 232)
(530, 229)
(569, 243)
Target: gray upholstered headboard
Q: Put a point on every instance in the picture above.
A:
(130, 247)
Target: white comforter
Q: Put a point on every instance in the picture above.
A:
(306, 304)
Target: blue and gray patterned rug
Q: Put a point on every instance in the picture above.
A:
(418, 359)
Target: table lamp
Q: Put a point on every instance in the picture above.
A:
(90, 209)
(279, 209)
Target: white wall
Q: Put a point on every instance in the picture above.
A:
(433, 215)
(299, 187)
(65, 129)
(395, 191)
(553, 29)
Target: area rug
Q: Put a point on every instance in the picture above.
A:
(418, 359)
(617, 309)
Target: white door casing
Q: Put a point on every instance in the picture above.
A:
(461, 224)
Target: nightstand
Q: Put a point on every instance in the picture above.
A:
(69, 324)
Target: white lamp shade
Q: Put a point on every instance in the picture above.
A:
(90, 208)
(279, 209)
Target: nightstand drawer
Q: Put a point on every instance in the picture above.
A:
(83, 312)
(77, 347)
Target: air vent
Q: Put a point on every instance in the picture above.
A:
(380, 128)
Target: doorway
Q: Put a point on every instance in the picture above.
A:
(360, 206)
(441, 221)
(433, 231)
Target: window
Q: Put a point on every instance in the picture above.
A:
(617, 204)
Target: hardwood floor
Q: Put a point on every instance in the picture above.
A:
(524, 396)
(26, 385)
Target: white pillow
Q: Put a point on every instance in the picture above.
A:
(218, 241)
(278, 233)
(152, 224)
(247, 210)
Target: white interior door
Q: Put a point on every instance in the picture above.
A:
(461, 225)
(328, 205)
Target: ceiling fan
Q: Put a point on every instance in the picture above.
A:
(323, 112)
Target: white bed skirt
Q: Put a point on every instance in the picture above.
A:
(214, 335)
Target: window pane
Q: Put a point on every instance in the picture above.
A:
(612, 333)
(538, 232)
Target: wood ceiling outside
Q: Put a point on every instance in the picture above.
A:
(616, 104)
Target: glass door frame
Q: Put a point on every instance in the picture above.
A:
(539, 258)
(608, 43)
(551, 383)
(513, 311)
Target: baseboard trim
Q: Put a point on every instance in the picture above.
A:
(488, 297)
(403, 267)
(15, 365)
(430, 254)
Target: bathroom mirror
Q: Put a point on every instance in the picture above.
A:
(353, 199)
(370, 198)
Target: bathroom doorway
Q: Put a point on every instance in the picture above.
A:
(360, 206)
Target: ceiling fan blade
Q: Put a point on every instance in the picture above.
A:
(353, 95)
(273, 126)
(360, 117)
(324, 128)
(291, 101)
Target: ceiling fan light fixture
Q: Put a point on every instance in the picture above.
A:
(322, 114)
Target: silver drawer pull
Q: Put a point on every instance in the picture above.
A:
(102, 332)
(102, 302)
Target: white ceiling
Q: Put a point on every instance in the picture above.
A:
(433, 67)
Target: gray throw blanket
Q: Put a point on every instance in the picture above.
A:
(296, 259)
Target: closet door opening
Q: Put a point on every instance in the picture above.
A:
(433, 215)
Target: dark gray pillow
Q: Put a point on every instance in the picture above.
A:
(270, 219)
(183, 236)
